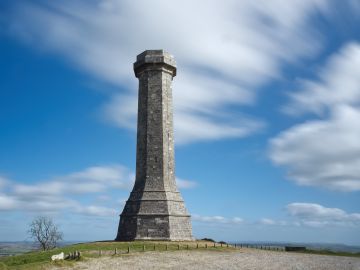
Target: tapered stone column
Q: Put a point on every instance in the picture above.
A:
(155, 209)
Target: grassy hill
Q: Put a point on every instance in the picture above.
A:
(41, 259)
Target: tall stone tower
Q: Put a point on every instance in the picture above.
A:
(155, 209)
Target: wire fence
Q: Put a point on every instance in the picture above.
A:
(126, 249)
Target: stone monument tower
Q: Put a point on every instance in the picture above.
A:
(155, 209)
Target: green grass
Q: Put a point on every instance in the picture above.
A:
(41, 259)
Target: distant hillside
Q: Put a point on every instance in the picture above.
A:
(15, 248)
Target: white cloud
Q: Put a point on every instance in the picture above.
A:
(301, 214)
(338, 84)
(217, 219)
(91, 180)
(267, 221)
(237, 220)
(185, 184)
(3, 182)
(51, 205)
(96, 211)
(224, 51)
(312, 210)
(322, 153)
(325, 152)
(57, 194)
(66, 193)
(272, 222)
(103, 198)
(316, 215)
(7, 202)
(35, 203)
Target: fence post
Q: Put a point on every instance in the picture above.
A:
(178, 246)
(205, 245)
(128, 251)
(220, 244)
(214, 244)
(115, 251)
(197, 245)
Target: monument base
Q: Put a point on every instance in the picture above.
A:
(154, 227)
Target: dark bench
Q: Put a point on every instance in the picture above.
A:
(293, 248)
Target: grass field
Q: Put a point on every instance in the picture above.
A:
(41, 259)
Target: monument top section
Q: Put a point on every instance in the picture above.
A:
(153, 60)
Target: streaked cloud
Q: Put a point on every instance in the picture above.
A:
(91, 180)
(338, 83)
(267, 221)
(185, 184)
(300, 214)
(7, 202)
(3, 182)
(225, 52)
(325, 152)
(64, 193)
(316, 215)
(96, 211)
(217, 219)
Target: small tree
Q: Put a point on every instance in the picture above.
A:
(45, 232)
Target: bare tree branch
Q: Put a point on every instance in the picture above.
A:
(45, 232)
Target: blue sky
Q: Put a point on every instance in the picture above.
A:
(266, 104)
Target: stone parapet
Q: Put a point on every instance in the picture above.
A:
(155, 60)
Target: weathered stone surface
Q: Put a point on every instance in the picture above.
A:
(155, 209)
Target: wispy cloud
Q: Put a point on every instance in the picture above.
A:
(303, 214)
(96, 211)
(299, 214)
(7, 202)
(65, 192)
(185, 184)
(225, 51)
(91, 180)
(267, 221)
(3, 182)
(325, 152)
(316, 215)
(216, 220)
(338, 84)
(322, 152)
